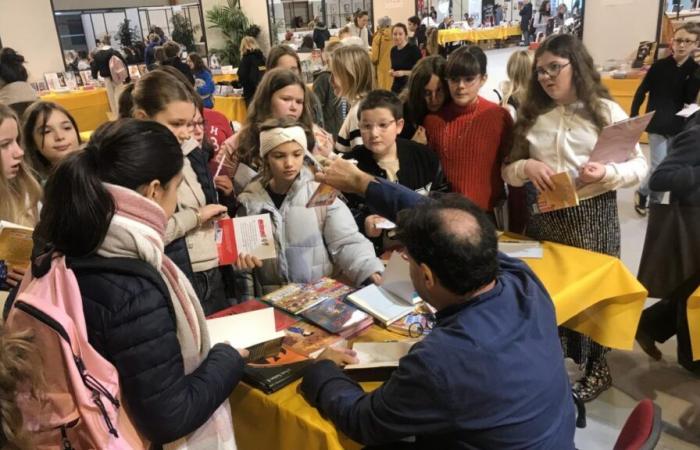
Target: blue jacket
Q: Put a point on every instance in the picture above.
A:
(204, 83)
(490, 375)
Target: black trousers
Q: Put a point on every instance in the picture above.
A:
(669, 317)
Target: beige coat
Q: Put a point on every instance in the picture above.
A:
(381, 57)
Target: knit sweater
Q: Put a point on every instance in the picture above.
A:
(471, 142)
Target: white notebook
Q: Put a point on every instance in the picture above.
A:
(244, 330)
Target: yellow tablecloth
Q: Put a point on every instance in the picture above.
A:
(694, 323)
(232, 107)
(593, 293)
(477, 34)
(221, 78)
(89, 108)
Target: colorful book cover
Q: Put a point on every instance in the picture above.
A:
(306, 339)
(273, 373)
(297, 298)
(334, 315)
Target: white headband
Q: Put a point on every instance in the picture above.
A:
(270, 139)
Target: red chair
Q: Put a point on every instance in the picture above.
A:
(642, 429)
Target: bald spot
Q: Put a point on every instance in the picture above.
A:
(461, 224)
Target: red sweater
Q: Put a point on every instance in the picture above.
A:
(471, 142)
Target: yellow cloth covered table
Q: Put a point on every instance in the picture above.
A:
(593, 294)
(477, 34)
(224, 78)
(89, 107)
(694, 323)
(232, 107)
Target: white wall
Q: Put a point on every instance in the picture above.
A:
(62, 5)
(397, 10)
(28, 27)
(614, 28)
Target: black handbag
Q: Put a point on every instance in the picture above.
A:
(671, 252)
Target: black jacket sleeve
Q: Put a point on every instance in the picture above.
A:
(130, 322)
(641, 93)
(679, 172)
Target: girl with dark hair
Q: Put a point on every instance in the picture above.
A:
(404, 55)
(564, 111)
(203, 81)
(107, 209)
(20, 192)
(426, 92)
(358, 27)
(50, 134)
(470, 134)
(165, 96)
(15, 91)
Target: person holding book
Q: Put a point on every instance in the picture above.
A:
(670, 83)
(106, 210)
(490, 374)
(565, 109)
(19, 190)
(470, 134)
(50, 134)
(165, 96)
(203, 81)
(352, 76)
(385, 155)
(311, 242)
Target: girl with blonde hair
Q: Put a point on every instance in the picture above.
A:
(249, 69)
(353, 79)
(519, 69)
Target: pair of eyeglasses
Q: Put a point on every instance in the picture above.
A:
(552, 70)
(680, 41)
(370, 126)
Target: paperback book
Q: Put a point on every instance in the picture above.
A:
(15, 244)
(296, 298)
(336, 316)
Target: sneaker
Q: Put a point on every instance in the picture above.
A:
(641, 203)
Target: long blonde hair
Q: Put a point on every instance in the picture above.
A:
(19, 365)
(351, 66)
(20, 195)
(519, 71)
(248, 43)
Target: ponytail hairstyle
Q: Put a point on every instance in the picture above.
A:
(158, 88)
(78, 208)
(36, 117)
(20, 196)
(19, 364)
(126, 101)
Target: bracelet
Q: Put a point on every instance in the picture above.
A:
(199, 218)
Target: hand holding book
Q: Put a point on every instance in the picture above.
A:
(540, 174)
(339, 356)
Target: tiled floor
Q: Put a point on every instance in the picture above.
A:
(635, 376)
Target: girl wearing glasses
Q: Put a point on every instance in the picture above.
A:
(565, 109)
(470, 134)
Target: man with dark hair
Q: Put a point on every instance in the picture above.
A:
(172, 58)
(491, 372)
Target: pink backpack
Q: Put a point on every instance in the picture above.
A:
(118, 71)
(79, 406)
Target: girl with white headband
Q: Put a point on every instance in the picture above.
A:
(311, 242)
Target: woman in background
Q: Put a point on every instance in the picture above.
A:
(203, 81)
(404, 56)
(249, 73)
(15, 91)
(381, 53)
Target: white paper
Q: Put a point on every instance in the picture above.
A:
(380, 303)
(689, 110)
(616, 142)
(522, 249)
(397, 279)
(385, 224)
(254, 236)
(244, 330)
(379, 354)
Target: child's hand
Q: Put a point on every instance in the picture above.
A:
(539, 173)
(15, 275)
(420, 136)
(207, 213)
(376, 278)
(371, 229)
(592, 172)
(224, 184)
(247, 262)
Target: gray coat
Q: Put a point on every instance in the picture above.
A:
(311, 242)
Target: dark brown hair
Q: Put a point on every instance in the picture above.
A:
(413, 96)
(279, 51)
(158, 88)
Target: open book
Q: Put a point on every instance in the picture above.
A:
(397, 279)
(377, 360)
(254, 330)
(251, 235)
(382, 304)
(15, 243)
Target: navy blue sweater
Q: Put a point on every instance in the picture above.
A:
(490, 375)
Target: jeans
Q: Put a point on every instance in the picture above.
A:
(526, 37)
(658, 148)
(209, 286)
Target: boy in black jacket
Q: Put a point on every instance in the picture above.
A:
(671, 82)
(384, 155)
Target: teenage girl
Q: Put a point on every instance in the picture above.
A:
(426, 92)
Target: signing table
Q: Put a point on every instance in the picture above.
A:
(478, 34)
(90, 108)
(232, 107)
(593, 293)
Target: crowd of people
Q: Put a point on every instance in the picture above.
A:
(406, 136)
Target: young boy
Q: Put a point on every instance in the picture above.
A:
(385, 155)
(670, 82)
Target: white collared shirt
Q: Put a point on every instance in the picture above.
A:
(564, 137)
